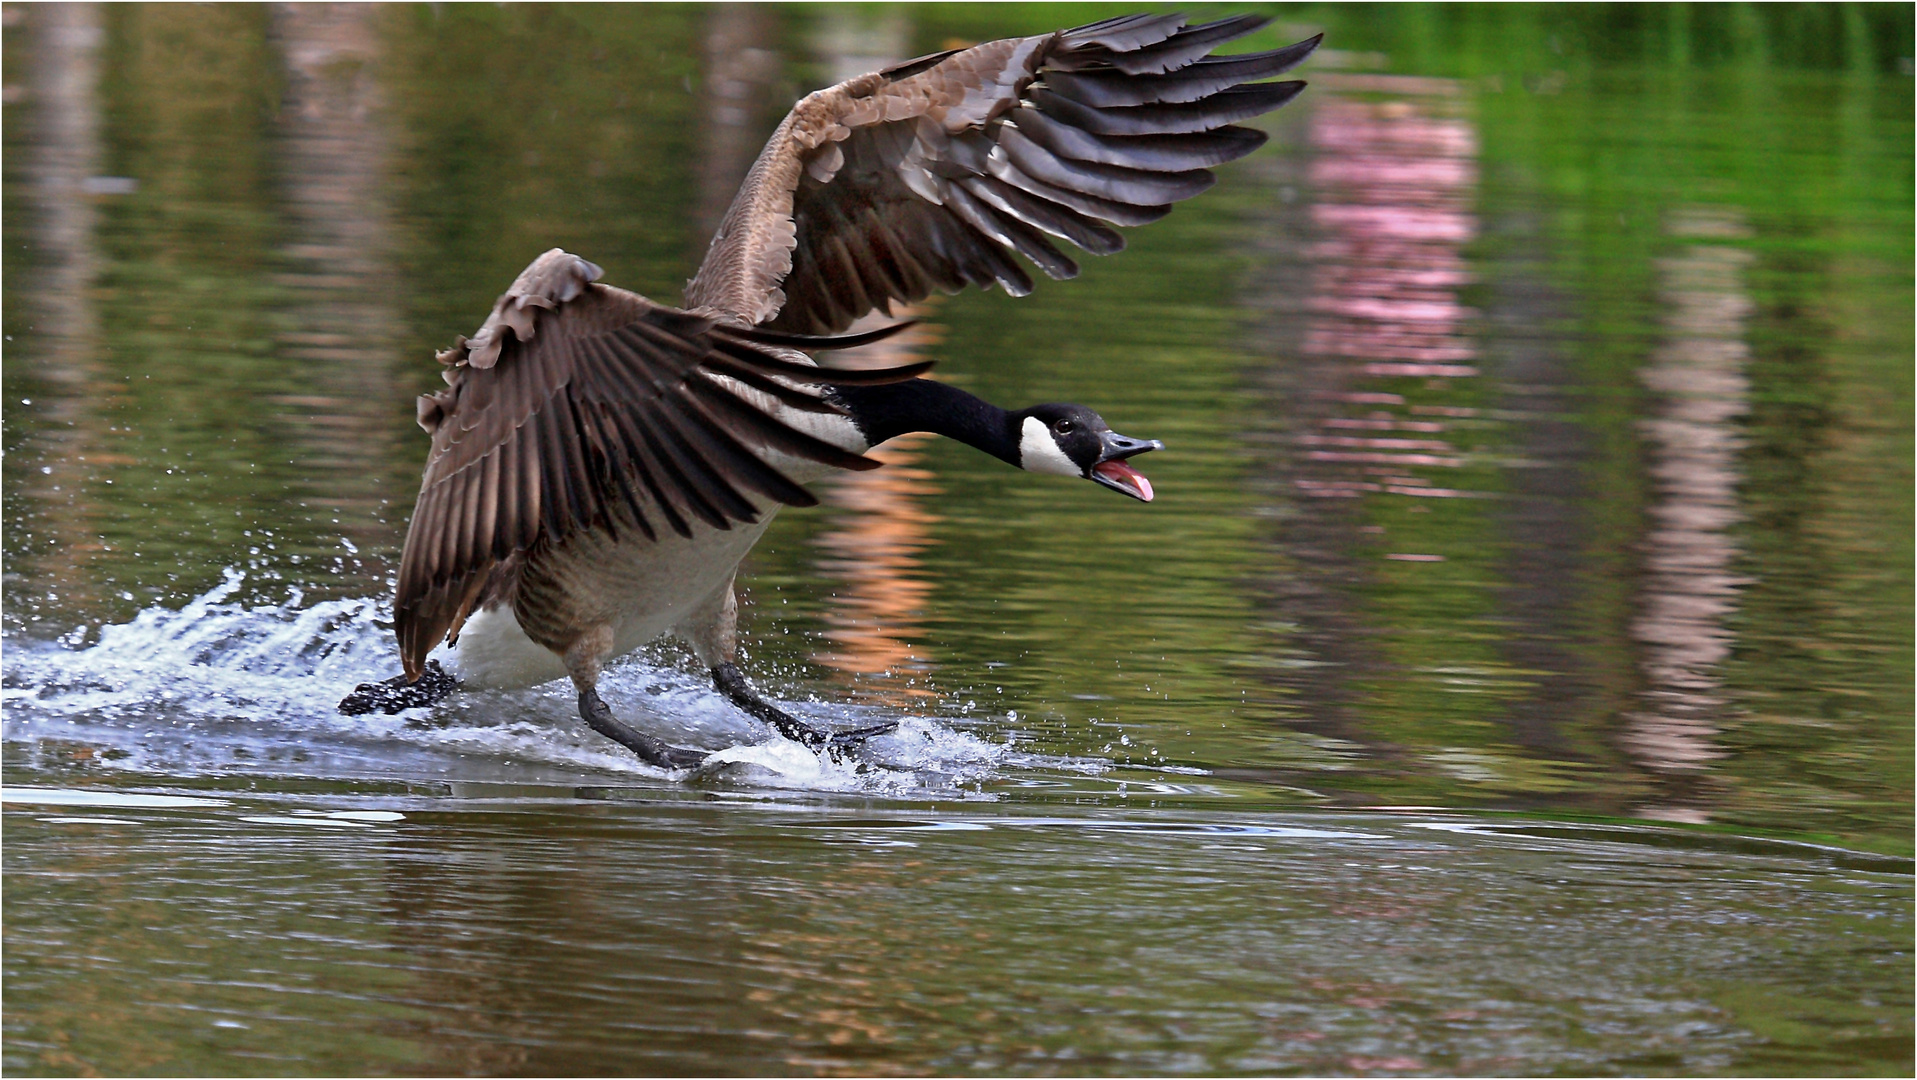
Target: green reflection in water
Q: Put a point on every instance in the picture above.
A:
(198, 415)
(199, 421)
(674, 935)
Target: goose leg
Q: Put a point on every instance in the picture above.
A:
(582, 663)
(396, 693)
(712, 631)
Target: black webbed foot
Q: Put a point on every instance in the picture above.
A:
(734, 686)
(396, 693)
(598, 716)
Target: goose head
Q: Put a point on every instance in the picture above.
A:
(1072, 440)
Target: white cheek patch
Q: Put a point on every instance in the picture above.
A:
(1037, 452)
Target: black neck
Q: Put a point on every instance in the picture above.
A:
(923, 405)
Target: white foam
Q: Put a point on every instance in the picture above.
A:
(217, 687)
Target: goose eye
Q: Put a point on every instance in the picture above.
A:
(1063, 427)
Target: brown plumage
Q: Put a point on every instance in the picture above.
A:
(581, 406)
(595, 454)
(928, 175)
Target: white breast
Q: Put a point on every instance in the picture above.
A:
(641, 588)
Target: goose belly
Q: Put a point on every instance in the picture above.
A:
(641, 588)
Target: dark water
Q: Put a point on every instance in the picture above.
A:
(1513, 676)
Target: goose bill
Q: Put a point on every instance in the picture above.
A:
(1122, 477)
(1112, 471)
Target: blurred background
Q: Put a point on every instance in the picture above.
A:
(1538, 401)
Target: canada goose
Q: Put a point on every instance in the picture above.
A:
(601, 463)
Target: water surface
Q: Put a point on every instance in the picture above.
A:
(1512, 676)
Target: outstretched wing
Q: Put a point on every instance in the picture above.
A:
(929, 174)
(579, 405)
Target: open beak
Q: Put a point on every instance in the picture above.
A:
(1112, 471)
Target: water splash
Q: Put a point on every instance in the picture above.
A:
(209, 659)
(217, 686)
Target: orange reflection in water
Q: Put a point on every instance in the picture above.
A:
(343, 323)
(1395, 181)
(64, 162)
(872, 553)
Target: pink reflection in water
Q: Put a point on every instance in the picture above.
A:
(1689, 590)
(1395, 182)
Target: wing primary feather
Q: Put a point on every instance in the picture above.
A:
(869, 376)
(1090, 205)
(909, 281)
(939, 242)
(877, 275)
(862, 284)
(906, 234)
(658, 343)
(727, 466)
(1105, 181)
(1185, 46)
(1123, 33)
(1153, 153)
(532, 503)
(786, 439)
(908, 68)
(1060, 221)
(555, 477)
(843, 274)
(677, 469)
(409, 627)
(614, 375)
(575, 453)
(523, 488)
(1012, 233)
(506, 493)
(444, 523)
(1224, 107)
(486, 526)
(468, 593)
(1105, 89)
(466, 555)
(461, 509)
(803, 306)
(555, 504)
(746, 466)
(819, 291)
(749, 356)
(813, 342)
(679, 324)
(692, 450)
(720, 363)
(812, 373)
(650, 469)
(600, 467)
(986, 263)
(625, 467)
(415, 562)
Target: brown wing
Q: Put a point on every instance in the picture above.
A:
(583, 406)
(928, 175)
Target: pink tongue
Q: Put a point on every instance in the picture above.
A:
(1126, 475)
